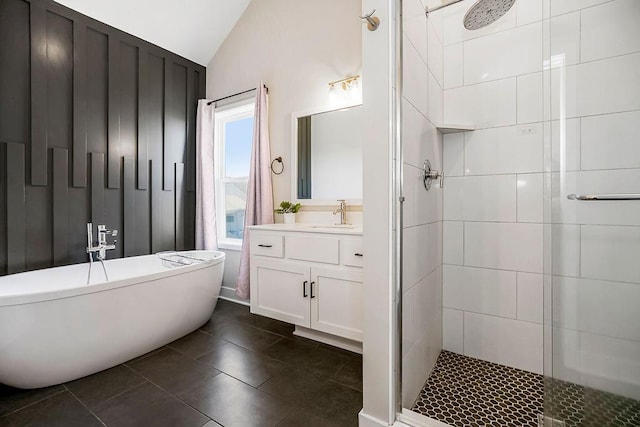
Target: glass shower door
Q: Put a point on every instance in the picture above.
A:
(592, 213)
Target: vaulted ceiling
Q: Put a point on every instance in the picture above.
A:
(194, 29)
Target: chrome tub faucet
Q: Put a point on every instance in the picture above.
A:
(103, 246)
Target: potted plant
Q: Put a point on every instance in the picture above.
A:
(288, 210)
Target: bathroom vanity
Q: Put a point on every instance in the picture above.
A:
(310, 276)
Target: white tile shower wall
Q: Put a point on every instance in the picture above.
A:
(595, 80)
(422, 216)
(493, 211)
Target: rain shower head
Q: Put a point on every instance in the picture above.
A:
(485, 12)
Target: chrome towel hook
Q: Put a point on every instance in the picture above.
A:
(429, 175)
(373, 22)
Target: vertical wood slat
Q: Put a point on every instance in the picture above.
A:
(113, 149)
(155, 168)
(143, 123)
(60, 205)
(16, 211)
(97, 189)
(167, 164)
(38, 95)
(192, 85)
(129, 206)
(179, 206)
(79, 104)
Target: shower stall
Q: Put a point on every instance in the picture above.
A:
(521, 275)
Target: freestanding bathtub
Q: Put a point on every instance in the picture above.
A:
(54, 327)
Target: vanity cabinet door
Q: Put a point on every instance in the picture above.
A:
(281, 291)
(336, 302)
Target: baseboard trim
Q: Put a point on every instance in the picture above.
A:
(410, 418)
(365, 420)
(336, 341)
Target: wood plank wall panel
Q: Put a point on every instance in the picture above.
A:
(128, 235)
(38, 145)
(14, 82)
(179, 206)
(113, 149)
(60, 205)
(15, 207)
(79, 104)
(96, 126)
(143, 122)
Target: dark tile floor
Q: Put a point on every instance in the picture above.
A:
(237, 370)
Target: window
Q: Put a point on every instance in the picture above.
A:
(233, 140)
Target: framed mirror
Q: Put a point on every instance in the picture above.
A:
(327, 156)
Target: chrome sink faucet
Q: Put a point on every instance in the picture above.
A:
(342, 210)
(102, 247)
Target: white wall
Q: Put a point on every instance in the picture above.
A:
(296, 48)
(493, 205)
(422, 219)
(594, 247)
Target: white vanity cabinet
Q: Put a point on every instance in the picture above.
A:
(311, 279)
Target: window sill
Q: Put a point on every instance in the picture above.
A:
(230, 246)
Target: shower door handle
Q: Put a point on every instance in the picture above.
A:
(604, 197)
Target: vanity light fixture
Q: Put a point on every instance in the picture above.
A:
(345, 91)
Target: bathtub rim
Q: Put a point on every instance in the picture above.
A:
(52, 295)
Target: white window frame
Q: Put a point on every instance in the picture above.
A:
(231, 112)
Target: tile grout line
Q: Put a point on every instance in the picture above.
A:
(36, 402)
(86, 407)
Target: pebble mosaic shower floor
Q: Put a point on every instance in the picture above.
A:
(467, 392)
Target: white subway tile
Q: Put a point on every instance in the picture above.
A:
(562, 38)
(483, 105)
(453, 147)
(435, 59)
(453, 242)
(428, 203)
(435, 19)
(610, 253)
(530, 98)
(528, 11)
(409, 327)
(610, 364)
(530, 293)
(564, 138)
(419, 137)
(512, 149)
(415, 78)
(565, 249)
(453, 21)
(610, 29)
(435, 111)
(566, 354)
(480, 290)
(600, 87)
(611, 141)
(505, 54)
(599, 307)
(411, 179)
(481, 198)
(560, 7)
(530, 197)
(453, 66)
(414, 25)
(453, 330)
(505, 341)
(502, 246)
(434, 247)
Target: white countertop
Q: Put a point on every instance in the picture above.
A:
(350, 229)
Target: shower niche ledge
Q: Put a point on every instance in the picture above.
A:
(445, 128)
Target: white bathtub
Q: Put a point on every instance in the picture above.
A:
(55, 328)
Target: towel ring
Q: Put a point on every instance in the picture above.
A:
(279, 160)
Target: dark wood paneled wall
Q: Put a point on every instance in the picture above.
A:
(95, 126)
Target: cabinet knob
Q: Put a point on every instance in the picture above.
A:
(358, 254)
(265, 246)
